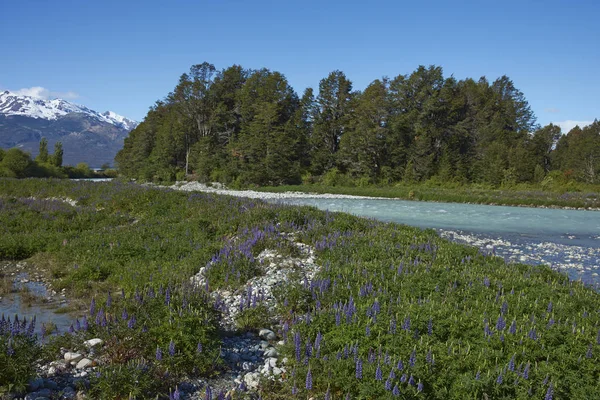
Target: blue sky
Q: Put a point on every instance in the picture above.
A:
(125, 55)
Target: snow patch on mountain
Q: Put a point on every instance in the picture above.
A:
(13, 104)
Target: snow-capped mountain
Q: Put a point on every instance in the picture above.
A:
(86, 135)
(13, 104)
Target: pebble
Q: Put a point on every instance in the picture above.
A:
(94, 342)
(73, 357)
(84, 363)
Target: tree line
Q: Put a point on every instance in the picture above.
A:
(241, 126)
(15, 163)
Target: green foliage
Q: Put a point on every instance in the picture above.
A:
(18, 352)
(43, 156)
(16, 162)
(253, 318)
(57, 157)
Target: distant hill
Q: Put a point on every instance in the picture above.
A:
(87, 135)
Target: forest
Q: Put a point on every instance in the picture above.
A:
(249, 127)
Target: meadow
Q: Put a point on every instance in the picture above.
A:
(395, 311)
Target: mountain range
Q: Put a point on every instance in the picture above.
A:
(87, 135)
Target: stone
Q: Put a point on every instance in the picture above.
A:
(277, 371)
(252, 379)
(50, 384)
(271, 362)
(271, 352)
(267, 334)
(72, 357)
(34, 384)
(68, 393)
(233, 358)
(263, 344)
(94, 342)
(84, 363)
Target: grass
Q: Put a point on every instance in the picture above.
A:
(395, 312)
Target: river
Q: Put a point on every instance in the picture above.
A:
(567, 240)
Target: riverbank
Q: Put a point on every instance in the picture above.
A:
(180, 285)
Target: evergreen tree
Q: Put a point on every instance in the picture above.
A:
(57, 157)
(43, 156)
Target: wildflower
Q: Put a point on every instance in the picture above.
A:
(499, 379)
(388, 385)
(93, 307)
(430, 327)
(400, 365)
(478, 375)
(124, 315)
(131, 323)
(501, 323)
(403, 378)
(309, 381)
(511, 364)
(420, 387)
(359, 368)
(108, 300)
(549, 393)
(199, 348)
(378, 374)
(396, 391)
(208, 393)
(525, 373)
(513, 327)
(411, 380)
(413, 358)
(158, 354)
(429, 358)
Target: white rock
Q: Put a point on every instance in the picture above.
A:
(84, 363)
(72, 357)
(271, 352)
(277, 371)
(267, 334)
(94, 342)
(251, 379)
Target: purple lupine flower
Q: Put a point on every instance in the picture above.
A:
(378, 373)
(526, 372)
(501, 323)
(511, 363)
(499, 379)
(108, 300)
(400, 365)
(171, 348)
(392, 375)
(93, 307)
(367, 331)
(411, 380)
(486, 282)
(504, 308)
(131, 323)
(359, 369)
(168, 296)
(406, 324)
(298, 344)
(309, 381)
(208, 393)
(549, 393)
(71, 329)
(328, 394)
(430, 327)
(199, 348)
(85, 323)
(420, 387)
(124, 315)
(513, 327)
(429, 358)
(388, 385)
(396, 391)
(158, 354)
(176, 394)
(532, 334)
(294, 389)
(403, 378)
(413, 359)
(549, 309)
(9, 349)
(550, 323)
(478, 375)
